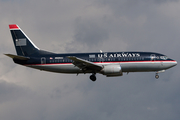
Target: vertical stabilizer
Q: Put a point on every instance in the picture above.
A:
(24, 46)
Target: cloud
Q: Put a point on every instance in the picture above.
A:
(10, 91)
(87, 26)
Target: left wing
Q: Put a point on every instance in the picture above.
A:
(84, 64)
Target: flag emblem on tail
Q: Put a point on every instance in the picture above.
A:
(21, 42)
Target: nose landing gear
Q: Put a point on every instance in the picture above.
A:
(156, 76)
(93, 77)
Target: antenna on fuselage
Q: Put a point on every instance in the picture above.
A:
(100, 51)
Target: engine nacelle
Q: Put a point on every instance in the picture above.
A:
(112, 70)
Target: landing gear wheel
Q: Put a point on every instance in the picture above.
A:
(93, 77)
(156, 76)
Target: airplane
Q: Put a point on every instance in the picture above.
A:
(110, 64)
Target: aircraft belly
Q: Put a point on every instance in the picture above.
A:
(142, 67)
(58, 68)
(126, 67)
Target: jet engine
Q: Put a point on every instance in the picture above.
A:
(112, 70)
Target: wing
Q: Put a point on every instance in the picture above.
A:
(85, 65)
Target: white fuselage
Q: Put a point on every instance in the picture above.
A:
(143, 66)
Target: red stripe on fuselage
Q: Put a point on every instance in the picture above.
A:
(105, 62)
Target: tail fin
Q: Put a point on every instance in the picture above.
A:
(24, 46)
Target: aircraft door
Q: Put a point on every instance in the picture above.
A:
(153, 57)
(43, 60)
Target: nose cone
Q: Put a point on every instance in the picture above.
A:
(175, 63)
(169, 64)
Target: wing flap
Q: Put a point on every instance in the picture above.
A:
(17, 57)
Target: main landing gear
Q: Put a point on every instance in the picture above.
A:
(93, 77)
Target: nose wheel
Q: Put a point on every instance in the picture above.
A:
(156, 76)
(93, 77)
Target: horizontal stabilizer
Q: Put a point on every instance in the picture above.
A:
(17, 57)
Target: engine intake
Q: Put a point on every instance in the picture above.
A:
(112, 70)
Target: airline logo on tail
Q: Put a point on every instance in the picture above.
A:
(24, 46)
(21, 42)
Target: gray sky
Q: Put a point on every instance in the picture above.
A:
(88, 26)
